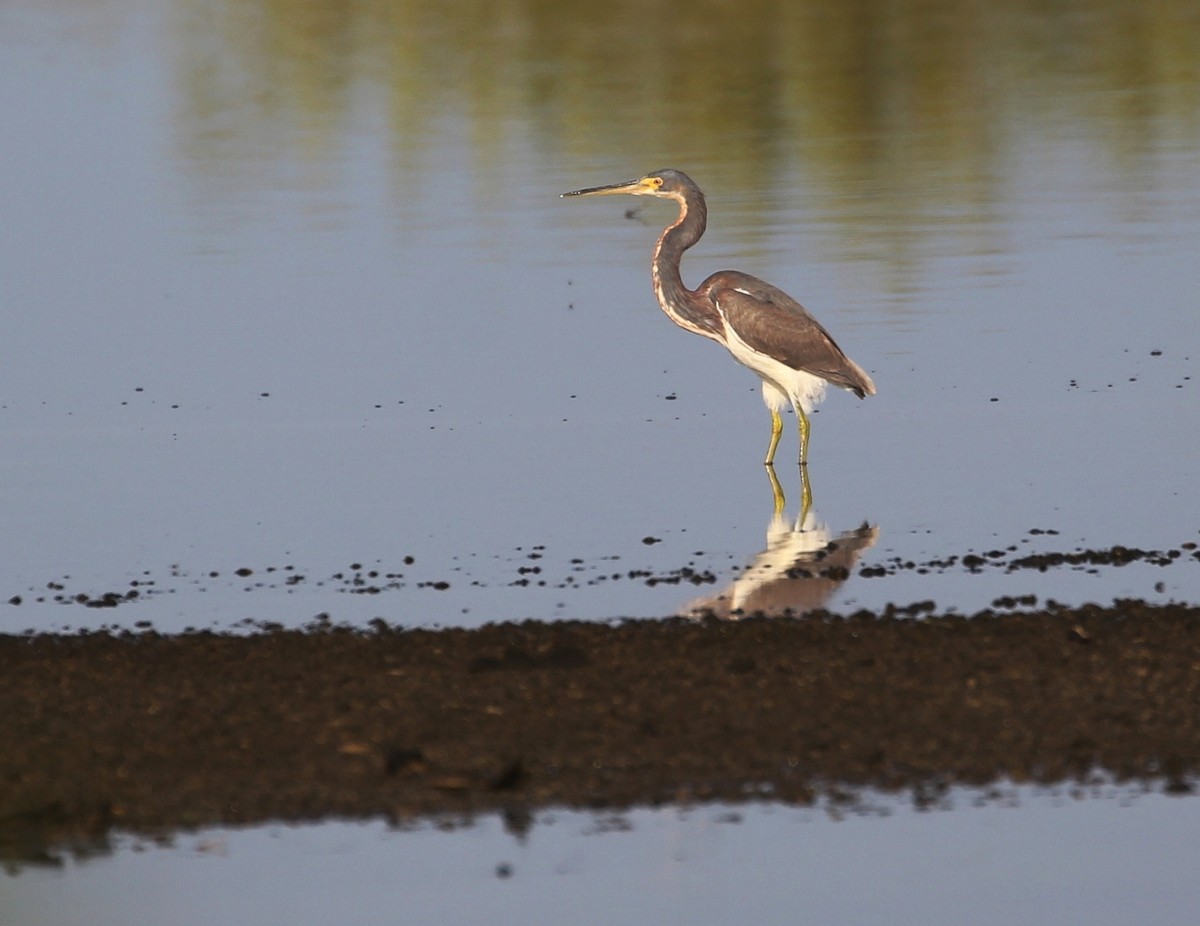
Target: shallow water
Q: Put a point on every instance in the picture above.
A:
(1024, 856)
(277, 301)
(295, 322)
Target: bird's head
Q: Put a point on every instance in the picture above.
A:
(668, 183)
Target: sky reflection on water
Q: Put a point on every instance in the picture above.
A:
(299, 292)
(1040, 857)
(289, 289)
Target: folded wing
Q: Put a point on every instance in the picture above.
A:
(773, 323)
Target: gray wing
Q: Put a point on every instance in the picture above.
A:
(773, 323)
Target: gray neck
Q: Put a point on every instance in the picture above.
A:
(676, 299)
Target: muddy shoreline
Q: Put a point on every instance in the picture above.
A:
(149, 733)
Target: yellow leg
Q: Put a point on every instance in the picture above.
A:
(776, 431)
(803, 435)
(805, 496)
(777, 490)
(806, 499)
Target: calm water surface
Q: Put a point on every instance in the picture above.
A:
(1028, 858)
(294, 294)
(292, 310)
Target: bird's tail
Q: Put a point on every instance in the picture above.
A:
(857, 380)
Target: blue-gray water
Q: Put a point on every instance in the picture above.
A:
(292, 292)
(250, 329)
(1026, 858)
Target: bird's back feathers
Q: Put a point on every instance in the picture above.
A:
(770, 321)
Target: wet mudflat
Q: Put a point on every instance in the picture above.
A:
(151, 733)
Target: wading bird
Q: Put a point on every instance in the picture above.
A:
(763, 327)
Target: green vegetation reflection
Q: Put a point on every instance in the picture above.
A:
(888, 112)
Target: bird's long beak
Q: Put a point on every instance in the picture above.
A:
(628, 186)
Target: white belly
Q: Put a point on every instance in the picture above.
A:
(781, 384)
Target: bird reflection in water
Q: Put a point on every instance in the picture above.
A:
(800, 569)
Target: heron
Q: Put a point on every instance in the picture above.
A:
(763, 327)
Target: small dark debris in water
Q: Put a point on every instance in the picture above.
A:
(678, 576)
(579, 573)
(670, 398)
(1114, 556)
(1081, 560)
(110, 599)
(993, 399)
(504, 870)
(1156, 353)
(1015, 601)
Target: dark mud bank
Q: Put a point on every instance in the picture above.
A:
(148, 732)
